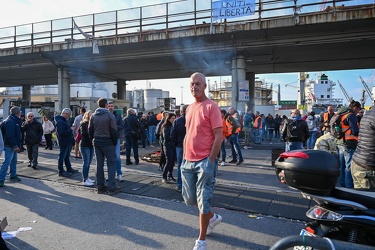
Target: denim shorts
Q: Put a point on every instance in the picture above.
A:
(198, 183)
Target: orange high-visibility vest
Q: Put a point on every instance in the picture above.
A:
(346, 129)
(225, 129)
(230, 128)
(256, 122)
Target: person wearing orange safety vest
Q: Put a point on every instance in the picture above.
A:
(257, 128)
(232, 135)
(325, 118)
(346, 146)
(225, 131)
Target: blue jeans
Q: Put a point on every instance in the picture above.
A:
(151, 134)
(270, 134)
(235, 146)
(312, 139)
(198, 183)
(179, 155)
(108, 153)
(131, 143)
(118, 158)
(345, 156)
(87, 155)
(64, 156)
(10, 159)
(293, 145)
(257, 135)
(223, 151)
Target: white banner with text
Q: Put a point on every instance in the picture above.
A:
(225, 9)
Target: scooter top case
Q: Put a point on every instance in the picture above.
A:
(311, 171)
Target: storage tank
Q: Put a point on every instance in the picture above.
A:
(81, 90)
(129, 97)
(151, 98)
(138, 98)
(45, 90)
(165, 94)
(100, 93)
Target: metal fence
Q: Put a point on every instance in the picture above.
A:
(160, 17)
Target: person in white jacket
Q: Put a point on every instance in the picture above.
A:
(48, 129)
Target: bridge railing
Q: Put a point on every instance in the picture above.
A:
(146, 19)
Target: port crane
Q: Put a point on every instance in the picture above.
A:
(347, 96)
(367, 88)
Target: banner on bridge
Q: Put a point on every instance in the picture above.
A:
(225, 9)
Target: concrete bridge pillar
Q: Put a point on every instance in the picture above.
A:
(121, 89)
(238, 75)
(26, 93)
(250, 76)
(63, 82)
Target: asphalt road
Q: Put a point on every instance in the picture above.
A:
(65, 215)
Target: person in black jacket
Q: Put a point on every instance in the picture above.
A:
(144, 129)
(169, 148)
(363, 161)
(131, 125)
(34, 132)
(158, 138)
(12, 135)
(178, 133)
(65, 137)
(86, 148)
(295, 131)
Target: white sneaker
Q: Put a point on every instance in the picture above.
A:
(89, 180)
(200, 245)
(213, 224)
(88, 183)
(222, 163)
(246, 147)
(119, 177)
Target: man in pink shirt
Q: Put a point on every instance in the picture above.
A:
(201, 147)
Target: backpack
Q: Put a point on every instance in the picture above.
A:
(311, 124)
(336, 126)
(294, 131)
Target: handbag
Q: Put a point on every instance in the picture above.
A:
(79, 135)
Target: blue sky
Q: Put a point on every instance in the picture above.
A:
(16, 12)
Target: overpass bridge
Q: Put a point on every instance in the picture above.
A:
(135, 44)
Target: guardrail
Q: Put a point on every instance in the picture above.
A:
(160, 17)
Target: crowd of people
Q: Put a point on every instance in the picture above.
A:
(348, 133)
(195, 138)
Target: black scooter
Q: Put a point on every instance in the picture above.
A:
(341, 213)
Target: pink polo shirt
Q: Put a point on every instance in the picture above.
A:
(201, 119)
